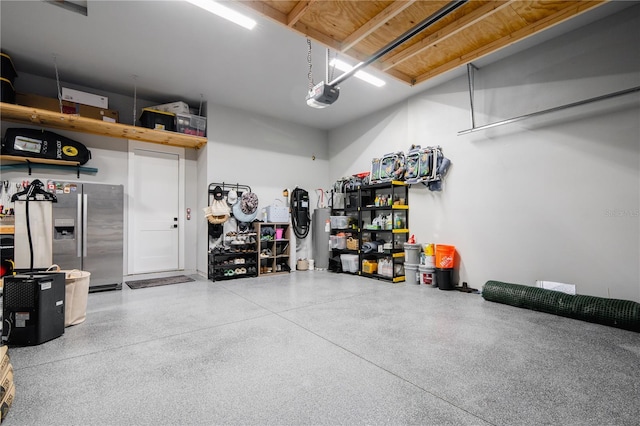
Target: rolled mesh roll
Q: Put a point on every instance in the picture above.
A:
(618, 313)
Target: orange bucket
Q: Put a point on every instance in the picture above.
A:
(444, 256)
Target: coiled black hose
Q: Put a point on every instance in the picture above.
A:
(618, 313)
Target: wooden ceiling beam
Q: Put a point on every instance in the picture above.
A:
(379, 20)
(447, 32)
(574, 9)
(283, 19)
(316, 35)
(266, 10)
(298, 11)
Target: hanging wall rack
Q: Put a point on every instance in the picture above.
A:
(226, 187)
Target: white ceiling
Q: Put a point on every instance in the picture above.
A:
(178, 52)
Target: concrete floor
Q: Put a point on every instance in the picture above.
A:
(322, 348)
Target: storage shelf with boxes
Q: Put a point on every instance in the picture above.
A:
(174, 116)
(68, 107)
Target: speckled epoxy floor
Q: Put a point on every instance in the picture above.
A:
(320, 348)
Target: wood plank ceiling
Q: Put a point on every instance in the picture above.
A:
(361, 28)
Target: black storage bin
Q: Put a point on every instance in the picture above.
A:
(8, 93)
(7, 70)
(158, 120)
(444, 278)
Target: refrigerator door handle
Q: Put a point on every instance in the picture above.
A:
(78, 229)
(84, 221)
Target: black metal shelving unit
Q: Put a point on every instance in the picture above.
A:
(381, 213)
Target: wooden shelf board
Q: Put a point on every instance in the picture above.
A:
(57, 120)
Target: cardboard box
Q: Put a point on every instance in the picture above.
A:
(85, 98)
(52, 104)
(4, 360)
(6, 382)
(7, 401)
(174, 107)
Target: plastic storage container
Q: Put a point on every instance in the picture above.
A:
(412, 253)
(411, 273)
(8, 93)
(349, 263)
(444, 278)
(369, 266)
(157, 120)
(385, 267)
(7, 70)
(427, 275)
(338, 242)
(339, 222)
(445, 256)
(191, 124)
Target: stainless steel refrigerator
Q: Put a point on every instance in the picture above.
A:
(88, 231)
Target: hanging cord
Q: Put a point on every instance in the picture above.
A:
(200, 107)
(55, 64)
(310, 74)
(26, 209)
(320, 202)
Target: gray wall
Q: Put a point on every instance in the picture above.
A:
(553, 198)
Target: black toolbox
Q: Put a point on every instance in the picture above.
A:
(158, 120)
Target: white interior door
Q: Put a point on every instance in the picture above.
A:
(155, 205)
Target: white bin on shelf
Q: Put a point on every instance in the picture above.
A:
(349, 263)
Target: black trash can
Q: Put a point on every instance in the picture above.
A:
(444, 278)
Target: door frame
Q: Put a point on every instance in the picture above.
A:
(180, 152)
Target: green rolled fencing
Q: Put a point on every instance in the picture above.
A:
(618, 313)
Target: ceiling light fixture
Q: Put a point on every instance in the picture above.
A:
(224, 12)
(365, 76)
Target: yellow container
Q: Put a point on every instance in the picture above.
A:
(429, 250)
(369, 266)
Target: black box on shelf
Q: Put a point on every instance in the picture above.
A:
(158, 120)
(8, 94)
(7, 70)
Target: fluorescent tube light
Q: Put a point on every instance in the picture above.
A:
(365, 76)
(224, 12)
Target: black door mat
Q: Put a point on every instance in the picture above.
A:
(155, 282)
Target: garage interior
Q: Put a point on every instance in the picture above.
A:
(534, 103)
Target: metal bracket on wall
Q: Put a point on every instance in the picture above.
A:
(470, 77)
(30, 166)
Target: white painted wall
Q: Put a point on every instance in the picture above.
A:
(554, 198)
(268, 155)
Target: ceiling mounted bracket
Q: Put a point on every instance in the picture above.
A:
(470, 77)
